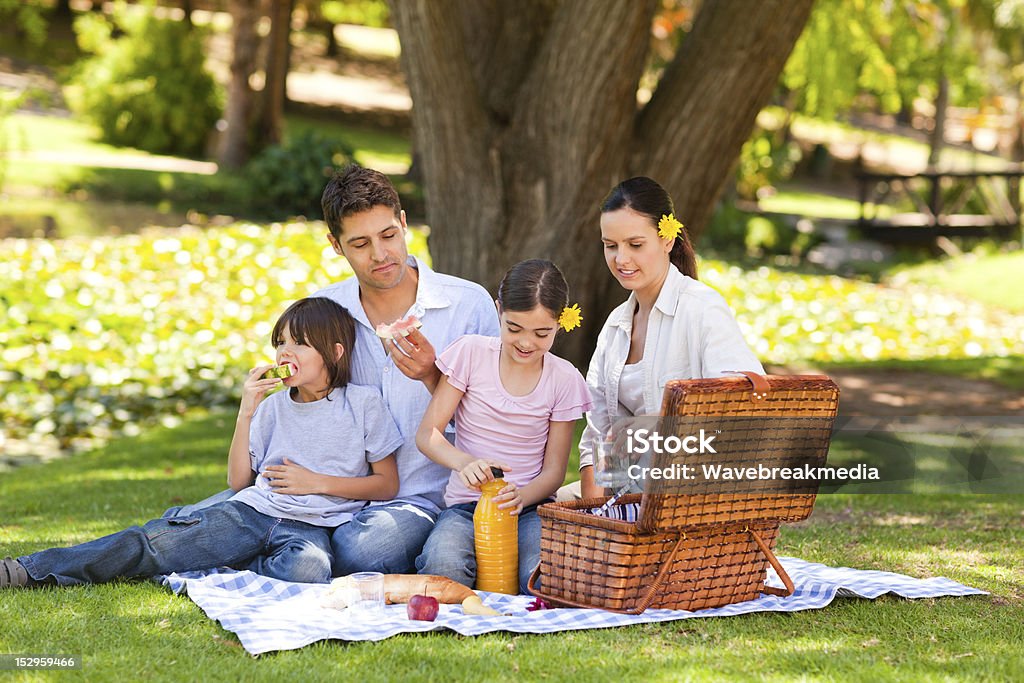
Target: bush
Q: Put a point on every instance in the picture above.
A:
(287, 180)
(147, 88)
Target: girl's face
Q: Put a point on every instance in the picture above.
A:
(527, 335)
(309, 373)
(635, 255)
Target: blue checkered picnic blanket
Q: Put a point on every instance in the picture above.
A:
(267, 614)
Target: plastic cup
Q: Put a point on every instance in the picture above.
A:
(368, 593)
(610, 464)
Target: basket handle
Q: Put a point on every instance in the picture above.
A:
(759, 382)
(776, 565)
(641, 606)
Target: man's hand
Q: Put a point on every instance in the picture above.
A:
(414, 355)
(292, 479)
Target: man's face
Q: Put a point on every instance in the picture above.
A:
(373, 242)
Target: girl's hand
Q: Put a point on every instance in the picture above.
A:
(478, 472)
(292, 479)
(510, 499)
(254, 389)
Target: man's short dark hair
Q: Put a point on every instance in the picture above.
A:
(354, 190)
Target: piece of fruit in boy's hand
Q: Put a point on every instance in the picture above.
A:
(278, 372)
(399, 328)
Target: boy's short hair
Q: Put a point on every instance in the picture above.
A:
(321, 323)
(354, 190)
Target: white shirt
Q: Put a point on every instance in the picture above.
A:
(448, 307)
(691, 334)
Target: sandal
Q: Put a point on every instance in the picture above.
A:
(12, 574)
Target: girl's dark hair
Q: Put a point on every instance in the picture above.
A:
(321, 323)
(648, 198)
(533, 282)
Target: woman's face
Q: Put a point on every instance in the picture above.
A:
(637, 257)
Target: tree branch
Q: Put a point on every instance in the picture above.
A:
(683, 140)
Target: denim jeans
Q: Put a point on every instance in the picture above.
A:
(382, 538)
(449, 551)
(186, 510)
(226, 534)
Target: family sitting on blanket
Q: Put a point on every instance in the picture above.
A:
(670, 327)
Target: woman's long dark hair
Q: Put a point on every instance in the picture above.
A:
(648, 198)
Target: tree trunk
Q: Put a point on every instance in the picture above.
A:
(937, 139)
(187, 7)
(526, 117)
(234, 149)
(270, 118)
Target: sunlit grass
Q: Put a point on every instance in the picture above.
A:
(984, 277)
(134, 629)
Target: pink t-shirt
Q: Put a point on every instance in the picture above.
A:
(490, 423)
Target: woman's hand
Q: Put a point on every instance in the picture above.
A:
(292, 479)
(254, 389)
(510, 499)
(478, 473)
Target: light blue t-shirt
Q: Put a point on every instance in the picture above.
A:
(448, 307)
(339, 435)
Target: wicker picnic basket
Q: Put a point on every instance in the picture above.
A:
(708, 544)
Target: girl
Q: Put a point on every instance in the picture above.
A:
(302, 461)
(514, 405)
(670, 327)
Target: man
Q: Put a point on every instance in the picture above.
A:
(368, 227)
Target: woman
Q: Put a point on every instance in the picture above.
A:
(670, 327)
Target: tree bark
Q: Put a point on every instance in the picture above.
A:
(526, 116)
(270, 117)
(234, 149)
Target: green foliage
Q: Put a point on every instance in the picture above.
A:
(893, 51)
(149, 87)
(765, 160)
(101, 335)
(287, 180)
(104, 334)
(28, 18)
(372, 13)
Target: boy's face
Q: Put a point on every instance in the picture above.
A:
(373, 242)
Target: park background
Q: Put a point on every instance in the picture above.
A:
(160, 169)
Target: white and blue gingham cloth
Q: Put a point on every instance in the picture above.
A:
(267, 614)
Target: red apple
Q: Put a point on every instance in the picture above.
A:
(422, 608)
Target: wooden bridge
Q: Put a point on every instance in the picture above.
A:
(950, 204)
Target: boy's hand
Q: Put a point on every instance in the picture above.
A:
(478, 472)
(254, 389)
(292, 479)
(510, 499)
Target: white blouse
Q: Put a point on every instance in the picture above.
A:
(631, 390)
(691, 334)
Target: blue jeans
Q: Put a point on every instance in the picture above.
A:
(450, 552)
(382, 538)
(226, 534)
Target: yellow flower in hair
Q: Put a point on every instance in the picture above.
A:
(669, 227)
(570, 318)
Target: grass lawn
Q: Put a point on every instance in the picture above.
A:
(142, 631)
(987, 278)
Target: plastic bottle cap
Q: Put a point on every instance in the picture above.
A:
(497, 472)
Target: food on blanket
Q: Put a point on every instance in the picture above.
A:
(279, 372)
(399, 328)
(400, 588)
(422, 608)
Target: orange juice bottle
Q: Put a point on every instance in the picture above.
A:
(496, 534)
